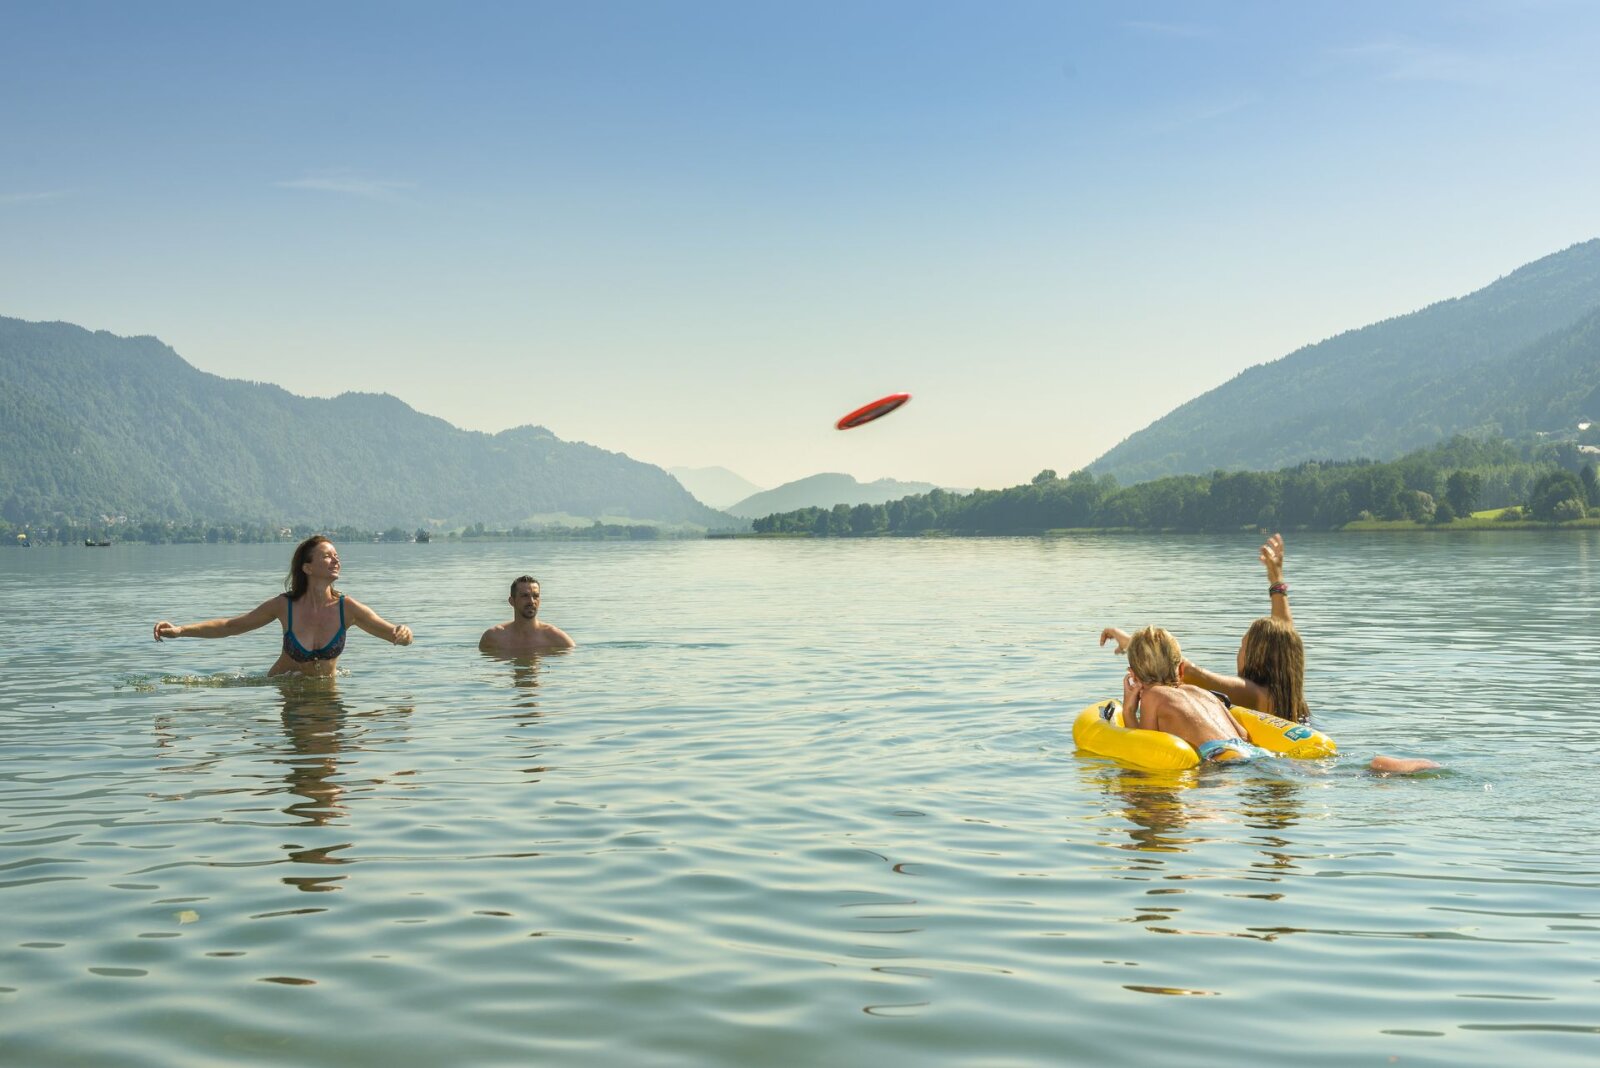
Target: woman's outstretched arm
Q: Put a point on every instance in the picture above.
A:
(376, 625)
(1239, 691)
(255, 619)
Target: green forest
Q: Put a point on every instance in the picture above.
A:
(165, 532)
(99, 431)
(1519, 356)
(1537, 482)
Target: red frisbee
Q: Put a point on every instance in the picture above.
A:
(876, 410)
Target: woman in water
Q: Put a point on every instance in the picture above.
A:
(1272, 659)
(313, 614)
(1271, 662)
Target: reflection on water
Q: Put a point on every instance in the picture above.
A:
(1153, 804)
(1265, 795)
(313, 721)
(323, 748)
(525, 677)
(1170, 813)
(524, 674)
(1273, 804)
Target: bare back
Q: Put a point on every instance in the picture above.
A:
(1195, 715)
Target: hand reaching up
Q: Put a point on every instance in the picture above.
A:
(1272, 558)
(1117, 635)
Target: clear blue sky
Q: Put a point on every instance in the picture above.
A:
(699, 232)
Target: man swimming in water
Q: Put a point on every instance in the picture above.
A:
(1154, 698)
(524, 635)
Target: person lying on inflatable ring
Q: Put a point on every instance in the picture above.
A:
(1271, 660)
(1155, 698)
(1271, 664)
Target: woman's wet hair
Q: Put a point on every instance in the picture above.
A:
(295, 585)
(1273, 657)
(1154, 656)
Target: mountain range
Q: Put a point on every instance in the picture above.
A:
(1520, 355)
(94, 424)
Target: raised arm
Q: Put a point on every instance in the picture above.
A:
(1118, 635)
(255, 619)
(376, 625)
(1277, 589)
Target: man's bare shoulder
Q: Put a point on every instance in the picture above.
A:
(494, 637)
(553, 637)
(505, 638)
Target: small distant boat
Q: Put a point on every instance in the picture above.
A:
(421, 537)
(90, 543)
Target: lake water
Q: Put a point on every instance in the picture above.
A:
(795, 802)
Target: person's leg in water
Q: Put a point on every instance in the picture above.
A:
(1388, 765)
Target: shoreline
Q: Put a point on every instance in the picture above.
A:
(1375, 526)
(1476, 524)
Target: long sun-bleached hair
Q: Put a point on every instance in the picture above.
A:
(1274, 658)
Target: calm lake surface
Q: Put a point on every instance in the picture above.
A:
(793, 802)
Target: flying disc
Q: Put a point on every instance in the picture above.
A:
(876, 410)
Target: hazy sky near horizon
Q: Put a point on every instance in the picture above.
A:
(699, 232)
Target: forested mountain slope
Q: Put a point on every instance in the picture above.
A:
(92, 424)
(1513, 356)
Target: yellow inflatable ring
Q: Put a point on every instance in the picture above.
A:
(1099, 730)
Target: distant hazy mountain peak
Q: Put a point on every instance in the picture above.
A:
(825, 490)
(715, 486)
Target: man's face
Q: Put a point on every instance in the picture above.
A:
(525, 602)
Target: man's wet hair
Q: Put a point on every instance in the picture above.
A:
(520, 579)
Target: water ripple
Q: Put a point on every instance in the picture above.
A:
(716, 833)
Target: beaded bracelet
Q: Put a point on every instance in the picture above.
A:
(1278, 589)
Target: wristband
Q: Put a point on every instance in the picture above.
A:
(1278, 589)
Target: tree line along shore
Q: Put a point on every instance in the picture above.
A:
(1465, 483)
(171, 532)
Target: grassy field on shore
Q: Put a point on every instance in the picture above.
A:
(1490, 519)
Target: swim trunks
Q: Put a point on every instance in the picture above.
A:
(1228, 750)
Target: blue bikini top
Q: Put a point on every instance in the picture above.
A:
(299, 653)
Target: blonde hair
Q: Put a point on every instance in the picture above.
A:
(1273, 657)
(1154, 656)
